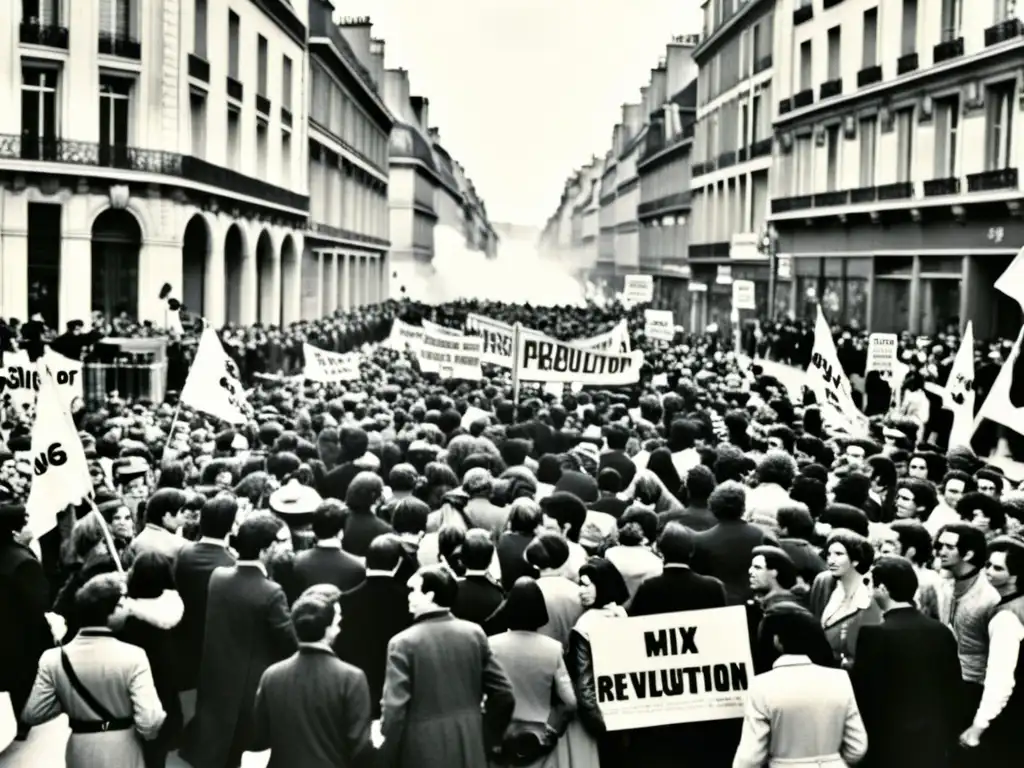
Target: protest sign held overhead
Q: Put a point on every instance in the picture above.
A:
(451, 357)
(959, 393)
(544, 359)
(830, 384)
(686, 667)
(20, 379)
(212, 385)
(60, 470)
(882, 353)
(498, 339)
(637, 289)
(659, 324)
(329, 367)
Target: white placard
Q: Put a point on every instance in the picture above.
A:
(329, 367)
(659, 324)
(743, 296)
(638, 289)
(883, 351)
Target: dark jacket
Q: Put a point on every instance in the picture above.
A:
(361, 528)
(510, 549)
(677, 589)
(192, 570)
(724, 552)
(24, 601)
(313, 711)
(621, 463)
(693, 517)
(324, 565)
(478, 598)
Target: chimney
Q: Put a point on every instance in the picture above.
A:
(645, 101)
(617, 141)
(656, 133)
(680, 66)
(633, 119)
(377, 57)
(356, 31)
(321, 20)
(396, 94)
(421, 108)
(659, 83)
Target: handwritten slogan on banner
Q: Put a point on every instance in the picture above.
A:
(544, 359)
(686, 667)
(329, 367)
(404, 336)
(450, 356)
(19, 379)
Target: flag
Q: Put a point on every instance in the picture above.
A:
(1011, 282)
(830, 384)
(959, 393)
(60, 470)
(1005, 402)
(212, 385)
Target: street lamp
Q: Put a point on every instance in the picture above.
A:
(769, 246)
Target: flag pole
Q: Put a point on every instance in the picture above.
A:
(515, 363)
(107, 535)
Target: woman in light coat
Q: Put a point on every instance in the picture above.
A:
(800, 714)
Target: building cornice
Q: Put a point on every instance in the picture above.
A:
(285, 17)
(329, 50)
(734, 23)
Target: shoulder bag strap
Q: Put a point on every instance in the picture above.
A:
(82, 691)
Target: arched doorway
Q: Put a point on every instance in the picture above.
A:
(290, 274)
(116, 241)
(265, 289)
(234, 263)
(195, 250)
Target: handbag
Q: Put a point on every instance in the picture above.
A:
(523, 746)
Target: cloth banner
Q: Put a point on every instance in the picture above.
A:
(497, 337)
(685, 667)
(830, 384)
(451, 357)
(212, 385)
(659, 325)
(440, 330)
(329, 367)
(539, 358)
(404, 336)
(19, 379)
(1005, 402)
(958, 395)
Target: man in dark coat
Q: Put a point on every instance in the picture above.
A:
(326, 563)
(616, 457)
(374, 612)
(313, 710)
(439, 671)
(907, 677)
(247, 629)
(479, 595)
(362, 525)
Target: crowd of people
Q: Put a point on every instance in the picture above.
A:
(407, 572)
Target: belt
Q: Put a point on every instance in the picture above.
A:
(102, 726)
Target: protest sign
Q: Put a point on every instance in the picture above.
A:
(329, 367)
(213, 385)
(498, 337)
(434, 328)
(830, 384)
(539, 358)
(743, 295)
(451, 357)
(637, 289)
(685, 667)
(19, 379)
(882, 353)
(615, 340)
(404, 337)
(659, 324)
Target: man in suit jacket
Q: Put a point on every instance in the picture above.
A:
(192, 570)
(724, 550)
(374, 612)
(479, 595)
(616, 457)
(313, 710)
(247, 629)
(326, 563)
(907, 676)
(678, 588)
(362, 525)
(438, 672)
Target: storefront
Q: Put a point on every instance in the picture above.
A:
(924, 277)
(710, 289)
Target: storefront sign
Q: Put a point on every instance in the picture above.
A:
(743, 294)
(698, 287)
(723, 275)
(784, 267)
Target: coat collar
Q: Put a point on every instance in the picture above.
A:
(791, 660)
(435, 615)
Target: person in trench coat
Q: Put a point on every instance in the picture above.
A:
(439, 670)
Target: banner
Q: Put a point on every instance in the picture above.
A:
(830, 384)
(440, 330)
(637, 289)
(659, 325)
(404, 336)
(542, 359)
(615, 340)
(329, 367)
(883, 350)
(686, 667)
(1005, 402)
(212, 385)
(497, 337)
(959, 393)
(19, 379)
(451, 357)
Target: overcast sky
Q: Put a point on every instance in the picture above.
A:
(524, 91)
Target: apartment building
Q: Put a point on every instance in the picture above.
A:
(606, 215)
(896, 185)
(732, 153)
(627, 188)
(146, 144)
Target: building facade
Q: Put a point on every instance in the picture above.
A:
(732, 154)
(633, 130)
(146, 145)
(345, 263)
(897, 194)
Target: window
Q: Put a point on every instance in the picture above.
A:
(744, 54)
(261, 65)
(999, 108)
(286, 158)
(744, 124)
(234, 146)
(804, 157)
(952, 16)
(947, 125)
(832, 144)
(904, 144)
(115, 18)
(197, 114)
(835, 52)
(286, 82)
(908, 39)
(43, 13)
(38, 113)
(234, 25)
(755, 44)
(261, 150)
(199, 31)
(870, 48)
(805, 65)
(115, 129)
(868, 143)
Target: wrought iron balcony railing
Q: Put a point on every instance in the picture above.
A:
(123, 46)
(48, 35)
(869, 75)
(949, 49)
(907, 63)
(991, 181)
(199, 68)
(997, 33)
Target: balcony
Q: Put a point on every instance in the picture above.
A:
(991, 181)
(127, 158)
(347, 234)
(803, 99)
(761, 147)
(831, 199)
(286, 117)
(675, 202)
(763, 63)
(118, 45)
(861, 195)
(826, 4)
(709, 250)
(199, 68)
(938, 187)
(830, 88)
(786, 105)
(950, 49)
(788, 204)
(907, 63)
(235, 89)
(900, 190)
(726, 160)
(803, 13)
(263, 105)
(869, 76)
(47, 35)
(742, 155)
(997, 33)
